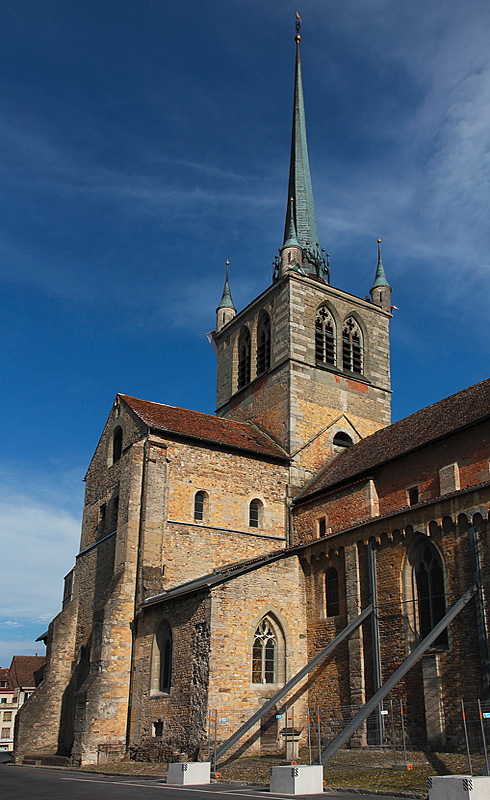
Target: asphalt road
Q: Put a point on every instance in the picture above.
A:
(34, 783)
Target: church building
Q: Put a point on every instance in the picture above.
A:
(221, 555)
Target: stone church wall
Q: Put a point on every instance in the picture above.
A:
(432, 690)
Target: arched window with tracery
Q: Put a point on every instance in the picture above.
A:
(352, 346)
(161, 658)
(117, 441)
(332, 592)
(244, 349)
(324, 337)
(429, 577)
(263, 344)
(425, 592)
(268, 652)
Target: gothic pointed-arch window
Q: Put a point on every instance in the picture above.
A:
(429, 577)
(332, 592)
(425, 592)
(352, 346)
(161, 659)
(117, 441)
(244, 350)
(263, 343)
(268, 652)
(324, 337)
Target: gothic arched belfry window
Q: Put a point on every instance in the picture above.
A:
(244, 349)
(263, 344)
(324, 337)
(352, 346)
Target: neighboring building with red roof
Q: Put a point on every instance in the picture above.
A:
(221, 556)
(16, 686)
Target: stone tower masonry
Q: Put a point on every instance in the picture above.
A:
(329, 366)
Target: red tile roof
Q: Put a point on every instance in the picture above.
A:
(27, 671)
(5, 678)
(204, 427)
(436, 421)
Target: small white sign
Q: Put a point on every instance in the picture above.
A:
(486, 715)
(223, 719)
(384, 711)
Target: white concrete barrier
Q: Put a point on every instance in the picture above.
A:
(297, 779)
(459, 787)
(189, 773)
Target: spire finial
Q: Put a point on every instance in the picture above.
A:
(297, 38)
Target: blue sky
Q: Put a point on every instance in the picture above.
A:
(144, 143)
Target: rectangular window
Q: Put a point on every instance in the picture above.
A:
(413, 495)
(322, 527)
(3, 700)
(5, 733)
(7, 716)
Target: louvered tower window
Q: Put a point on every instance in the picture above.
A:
(352, 346)
(244, 358)
(263, 344)
(324, 337)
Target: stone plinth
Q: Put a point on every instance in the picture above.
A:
(189, 773)
(300, 779)
(459, 787)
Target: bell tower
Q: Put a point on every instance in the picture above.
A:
(306, 361)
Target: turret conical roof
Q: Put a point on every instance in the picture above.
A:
(226, 300)
(380, 277)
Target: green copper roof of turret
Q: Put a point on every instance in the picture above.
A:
(380, 278)
(291, 239)
(299, 172)
(226, 301)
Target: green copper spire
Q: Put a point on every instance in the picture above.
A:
(303, 211)
(226, 301)
(380, 278)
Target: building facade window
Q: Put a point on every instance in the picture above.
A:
(268, 652)
(199, 507)
(429, 577)
(332, 592)
(263, 344)
(5, 733)
(352, 346)
(425, 593)
(161, 659)
(324, 337)
(342, 439)
(7, 716)
(117, 442)
(255, 514)
(413, 495)
(244, 351)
